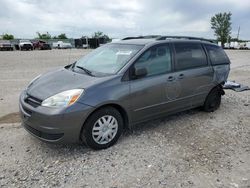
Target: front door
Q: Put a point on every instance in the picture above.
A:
(148, 94)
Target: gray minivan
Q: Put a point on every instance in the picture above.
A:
(122, 84)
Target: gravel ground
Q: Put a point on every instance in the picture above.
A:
(189, 149)
(18, 68)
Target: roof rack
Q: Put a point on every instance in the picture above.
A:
(143, 37)
(184, 37)
(159, 37)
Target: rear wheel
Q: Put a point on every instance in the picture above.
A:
(213, 100)
(103, 128)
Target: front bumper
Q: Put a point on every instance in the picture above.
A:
(51, 124)
(26, 47)
(6, 48)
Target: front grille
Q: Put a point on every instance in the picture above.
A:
(27, 45)
(34, 102)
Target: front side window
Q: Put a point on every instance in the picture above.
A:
(217, 55)
(189, 55)
(156, 60)
(108, 59)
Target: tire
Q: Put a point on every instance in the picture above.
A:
(95, 133)
(213, 100)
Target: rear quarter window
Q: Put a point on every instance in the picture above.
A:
(217, 55)
(189, 55)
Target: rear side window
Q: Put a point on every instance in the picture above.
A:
(189, 55)
(217, 55)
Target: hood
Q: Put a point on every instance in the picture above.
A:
(25, 43)
(58, 81)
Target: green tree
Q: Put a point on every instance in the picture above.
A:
(221, 24)
(8, 36)
(100, 34)
(43, 35)
(62, 36)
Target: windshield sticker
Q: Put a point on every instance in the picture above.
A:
(124, 53)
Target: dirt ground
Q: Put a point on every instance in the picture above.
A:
(189, 149)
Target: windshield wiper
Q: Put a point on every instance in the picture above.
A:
(85, 70)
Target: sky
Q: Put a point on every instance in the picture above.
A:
(120, 18)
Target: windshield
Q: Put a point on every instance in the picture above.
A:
(109, 58)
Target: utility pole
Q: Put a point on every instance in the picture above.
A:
(238, 33)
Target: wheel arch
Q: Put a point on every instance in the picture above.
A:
(118, 107)
(220, 87)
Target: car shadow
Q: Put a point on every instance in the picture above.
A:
(142, 128)
(161, 122)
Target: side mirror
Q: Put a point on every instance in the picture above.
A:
(140, 72)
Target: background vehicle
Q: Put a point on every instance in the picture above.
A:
(226, 46)
(61, 45)
(25, 45)
(41, 45)
(5, 45)
(248, 45)
(122, 84)
(85, 46)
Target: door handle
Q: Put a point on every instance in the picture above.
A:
(171, 78)
(181, 76)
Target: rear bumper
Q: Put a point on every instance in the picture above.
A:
(54, 125)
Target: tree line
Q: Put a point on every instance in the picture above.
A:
(47, 35)
(220, 23)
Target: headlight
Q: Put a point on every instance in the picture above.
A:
(63, 99)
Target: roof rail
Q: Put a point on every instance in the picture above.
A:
(185, 37)
(143, 37)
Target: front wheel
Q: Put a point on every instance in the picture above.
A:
(213, 100)
(103, 128)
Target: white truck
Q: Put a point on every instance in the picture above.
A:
(226, 45)
(241, 45)
(247, 45)
(233, 45)
(61, 45)
(25, 45)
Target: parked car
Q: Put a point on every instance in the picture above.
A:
(247, 45)
(25, 45)
(61, 45)
(85, 46)
(122, 84)
(227, 46)
(243, 46)
(5, 45)
(41, 45)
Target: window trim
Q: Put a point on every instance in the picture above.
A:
(196, 67)
(210, 61)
